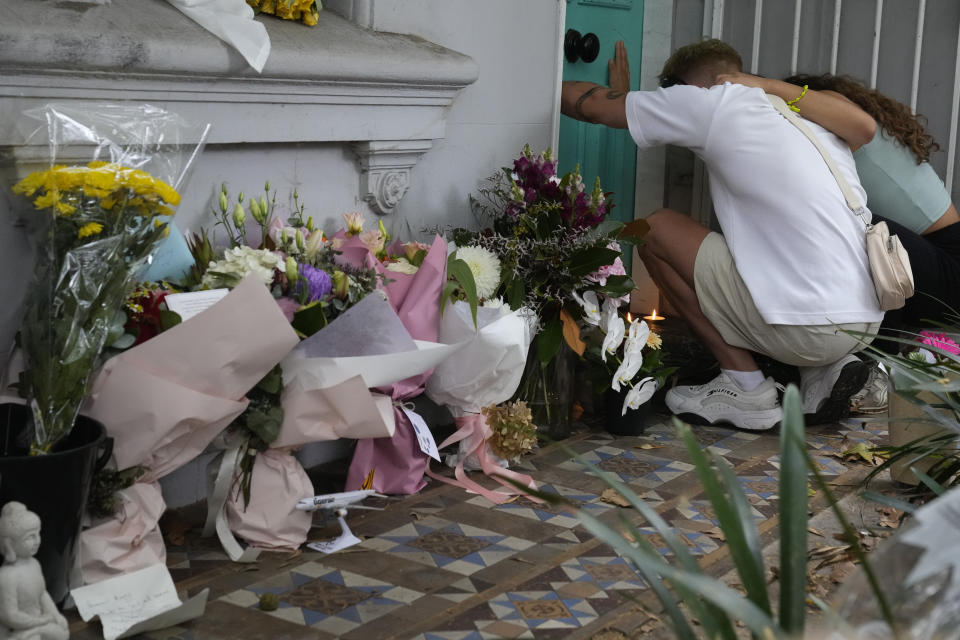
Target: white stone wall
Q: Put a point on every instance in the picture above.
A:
(515, 100)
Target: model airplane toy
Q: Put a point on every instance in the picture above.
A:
(337, 504)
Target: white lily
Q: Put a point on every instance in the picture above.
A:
(609, 309)
(640, 393)
(628, 368)
(636, 338)
(615, 330)
(591, 307)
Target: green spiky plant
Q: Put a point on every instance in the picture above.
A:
(716, 607)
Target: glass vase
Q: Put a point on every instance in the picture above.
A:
(548, 391)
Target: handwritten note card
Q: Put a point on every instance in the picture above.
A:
(424, 438)
(127, 600)
(190, 304)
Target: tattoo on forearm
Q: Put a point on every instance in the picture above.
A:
(578, 108)
(613, 94)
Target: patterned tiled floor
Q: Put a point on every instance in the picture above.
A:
(447, 565)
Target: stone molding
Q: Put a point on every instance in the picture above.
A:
(385, 170)
(385, 95)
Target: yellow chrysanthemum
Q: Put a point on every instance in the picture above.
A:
(94, 192)
(654, 341)
(29, 185)
(67, 178)
(103, 179)
(96, 164)
(51, 199)
(89, 229)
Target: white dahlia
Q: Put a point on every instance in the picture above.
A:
(485, 267)
(239, 262)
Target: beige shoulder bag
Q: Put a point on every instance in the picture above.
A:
(889, 262)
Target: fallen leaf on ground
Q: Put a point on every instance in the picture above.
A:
(611, 496)
(829, 555)
(716, 533)
(647, 446)
(815, 532)
(649, 626)
(861, 452)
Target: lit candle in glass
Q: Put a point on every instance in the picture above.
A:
(653, 317)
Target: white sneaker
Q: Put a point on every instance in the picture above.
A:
(722, 400)
(827, 390)
(872, 398)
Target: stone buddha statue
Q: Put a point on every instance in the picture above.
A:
(27, 611)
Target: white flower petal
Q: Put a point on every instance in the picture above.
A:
(591, 307)
(615, 331)
(639, 394)
(627, 369)
(485, 267)
(637, 338)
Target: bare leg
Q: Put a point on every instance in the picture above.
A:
(670, 253)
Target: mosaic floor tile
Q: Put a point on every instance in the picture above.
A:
(542, 610)
(634, 467)
(455, 547)
(559, 515)
(447, 565)
(332, 600)
(606, 572)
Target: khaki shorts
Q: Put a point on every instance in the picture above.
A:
(727, 303)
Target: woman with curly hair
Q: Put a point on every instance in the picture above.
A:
(903, 189)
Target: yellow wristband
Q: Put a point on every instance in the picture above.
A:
(792, 103)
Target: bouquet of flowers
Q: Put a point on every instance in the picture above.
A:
(552, 238)
(628, 354)
(105, 218)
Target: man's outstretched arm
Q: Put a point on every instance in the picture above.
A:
(594, 103)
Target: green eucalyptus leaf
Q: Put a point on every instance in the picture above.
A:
(169, 319)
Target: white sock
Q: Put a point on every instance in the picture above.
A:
(746, 380)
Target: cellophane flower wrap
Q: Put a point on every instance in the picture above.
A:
(103, 218)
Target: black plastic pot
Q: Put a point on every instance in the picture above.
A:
(632, 424)
(54, 486)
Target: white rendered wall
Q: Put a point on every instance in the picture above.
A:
(517, 47)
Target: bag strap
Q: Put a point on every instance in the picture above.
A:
(852, 200)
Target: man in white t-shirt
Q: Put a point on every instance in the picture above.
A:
(790, 271)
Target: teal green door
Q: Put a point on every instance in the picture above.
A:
(600, 151)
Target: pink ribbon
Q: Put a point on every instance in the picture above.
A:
(476, 426)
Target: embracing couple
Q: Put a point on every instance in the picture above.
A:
(789, 276)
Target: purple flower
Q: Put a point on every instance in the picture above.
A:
(317, 281)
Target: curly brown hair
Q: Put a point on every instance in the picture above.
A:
(895, 117)
(694, 55)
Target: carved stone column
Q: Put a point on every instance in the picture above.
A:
(385, 170)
